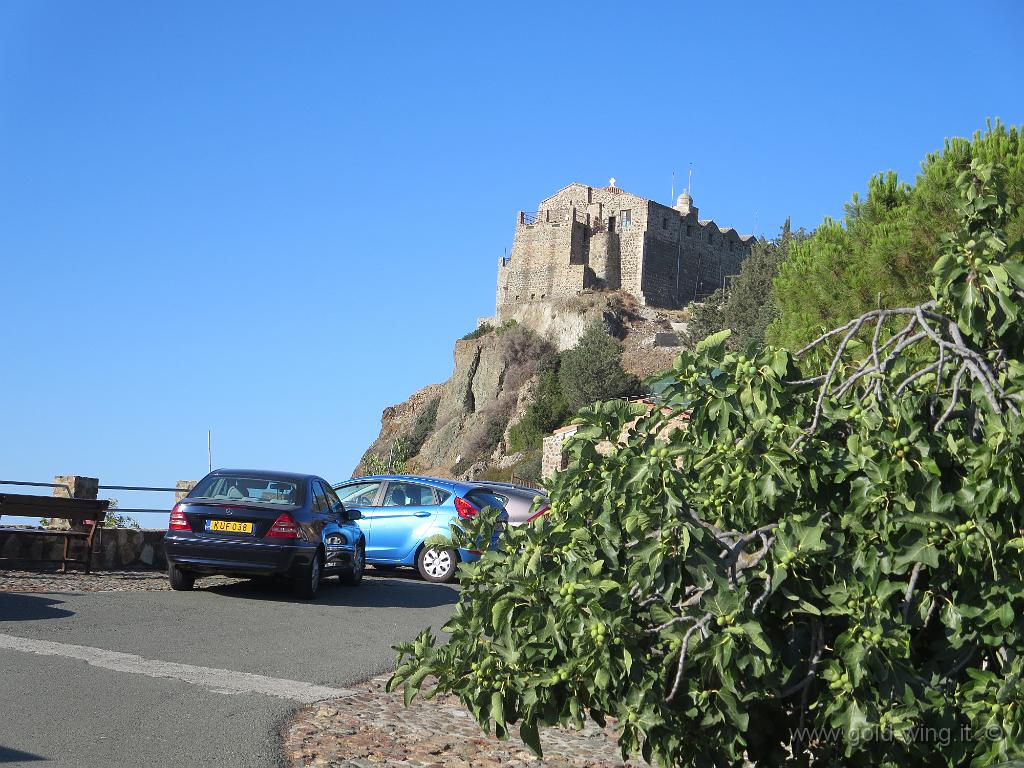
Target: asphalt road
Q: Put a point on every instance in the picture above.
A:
(202, 678)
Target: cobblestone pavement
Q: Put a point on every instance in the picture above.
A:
(373, 729)
(49, 580)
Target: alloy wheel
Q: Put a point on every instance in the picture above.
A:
(437, 562)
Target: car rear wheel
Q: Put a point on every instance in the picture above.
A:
(307, 583)
(181, 581)
(437, 565)
(353, 577)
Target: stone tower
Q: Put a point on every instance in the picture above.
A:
(604, 238)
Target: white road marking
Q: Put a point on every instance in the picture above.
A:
(215, 680)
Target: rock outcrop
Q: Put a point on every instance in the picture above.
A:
(494, 382)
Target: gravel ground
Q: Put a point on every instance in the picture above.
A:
(50, 581)
(373, 729)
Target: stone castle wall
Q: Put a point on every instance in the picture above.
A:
(608, 208)
(603, 262)
(547, 261)
(604, 238)
(686, 259)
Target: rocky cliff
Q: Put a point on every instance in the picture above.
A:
(460, 428)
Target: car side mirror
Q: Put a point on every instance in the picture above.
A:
(355, 514)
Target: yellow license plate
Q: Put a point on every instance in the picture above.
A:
(229, 526)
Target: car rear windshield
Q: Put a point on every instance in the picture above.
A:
(482, 498)
(257, 490)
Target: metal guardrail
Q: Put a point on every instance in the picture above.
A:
(149, 488)
(37, 485)
(136, 488)
(136, 510)
(516, 480)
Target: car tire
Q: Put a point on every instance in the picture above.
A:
(181, 581)
(437, 565)
(354, 576)
(307, 583)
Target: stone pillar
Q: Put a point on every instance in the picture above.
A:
(73, 487)
(553, 458)
(79, 487)
(183, 486)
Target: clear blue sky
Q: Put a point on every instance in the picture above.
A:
(273, 219)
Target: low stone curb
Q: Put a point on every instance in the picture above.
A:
(373, 728)
(50, 581)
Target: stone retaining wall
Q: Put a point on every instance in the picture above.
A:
(116, 548)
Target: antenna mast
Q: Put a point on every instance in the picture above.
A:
(689, 182)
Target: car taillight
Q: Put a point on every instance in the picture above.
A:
(284, 528)
(178, 521)
(464, 508)
(537, 514)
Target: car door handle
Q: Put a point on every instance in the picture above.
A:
(422, 514)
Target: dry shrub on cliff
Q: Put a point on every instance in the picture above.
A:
(484, 438)
(523, 353)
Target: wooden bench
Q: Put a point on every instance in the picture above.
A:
(85, 515)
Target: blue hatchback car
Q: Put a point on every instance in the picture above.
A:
(400, 512)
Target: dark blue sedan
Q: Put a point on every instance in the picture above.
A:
(251, 523)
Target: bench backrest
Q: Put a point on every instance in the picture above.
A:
(27, 505)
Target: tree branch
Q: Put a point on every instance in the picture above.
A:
(908, 596)
(681, 666)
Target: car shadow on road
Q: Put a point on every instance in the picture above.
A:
(19, 607)
(10, 755)
(375, 592)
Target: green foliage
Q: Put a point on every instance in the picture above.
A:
(459, 467)
(592, 370)
(117, 520)
(882, 253)
(589, 371)
(706, 317)
(393, 463)
(749, 305)
(547, 412)
(481, 330)
(505, 327)
(485, 328)
(803, 575)
(528, 468)
(112, 519)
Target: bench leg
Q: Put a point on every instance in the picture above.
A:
(64, 560)
(88, 548)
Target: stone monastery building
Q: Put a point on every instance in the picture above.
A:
(606, 238)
